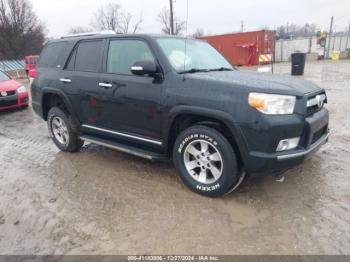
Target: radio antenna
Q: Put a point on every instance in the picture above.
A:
(186, 39)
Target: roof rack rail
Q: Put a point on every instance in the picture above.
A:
(108, 32)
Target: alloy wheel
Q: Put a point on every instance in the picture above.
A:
(203, 161)
(60, 130)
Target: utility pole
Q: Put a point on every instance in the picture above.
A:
(347, 38)
(328, 46)
(334, 31)
(171, 18)
(242, 26)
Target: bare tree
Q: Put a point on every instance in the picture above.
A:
(112, 17)
(293, 30)
(198, 33)
(20, 31)
(107, 17)
(164, 19)
(79, 29)
(127, 25)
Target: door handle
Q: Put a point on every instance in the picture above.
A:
(65, 80)
(105, 85)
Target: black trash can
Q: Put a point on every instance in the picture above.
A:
(298, 64)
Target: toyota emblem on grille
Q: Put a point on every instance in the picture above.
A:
(320, 101)
(3, 93)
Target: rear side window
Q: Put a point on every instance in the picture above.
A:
(50, 56)
(71, 64)
(122, 54)
(87, 56)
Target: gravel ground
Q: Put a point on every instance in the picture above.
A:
(101, 201)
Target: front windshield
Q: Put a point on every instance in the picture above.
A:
(197, 55)
(3, 76)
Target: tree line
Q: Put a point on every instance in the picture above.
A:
(112, 17)
(293, 30)
(22, 33)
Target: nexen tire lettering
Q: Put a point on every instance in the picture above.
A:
(208, 188)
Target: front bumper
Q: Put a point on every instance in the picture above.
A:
(305, 153)
(14, 101)
(261, 156)
(272, 163)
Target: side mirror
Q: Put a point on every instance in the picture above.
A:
(142, 68)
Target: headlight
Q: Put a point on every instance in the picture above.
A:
(272, 104)
(21, 89)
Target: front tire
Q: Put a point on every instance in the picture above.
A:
(62, 132)
(206, 161)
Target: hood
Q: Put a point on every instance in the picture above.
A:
(9, 85)
(261, 82)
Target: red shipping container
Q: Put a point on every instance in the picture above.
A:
(243, 48)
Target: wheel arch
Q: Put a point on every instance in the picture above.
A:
(54, 97)
(183, 117)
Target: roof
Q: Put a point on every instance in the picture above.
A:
(30, 56)
(11, 65)
(79, 37)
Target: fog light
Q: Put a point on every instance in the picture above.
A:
(288, 144)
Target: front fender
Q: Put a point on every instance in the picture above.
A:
(218, 115)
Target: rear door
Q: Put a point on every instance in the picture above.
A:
(80, 80)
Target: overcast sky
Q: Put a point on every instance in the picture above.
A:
(214, 16)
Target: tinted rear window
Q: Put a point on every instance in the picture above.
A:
(71, 64)
(51, 54)
(88, 56)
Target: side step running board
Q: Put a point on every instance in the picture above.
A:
(124, 148)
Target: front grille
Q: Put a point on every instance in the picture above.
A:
(318, 135)
(313, 105)
(8, 103)
(9, 93)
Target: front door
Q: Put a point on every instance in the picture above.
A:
(134, 102)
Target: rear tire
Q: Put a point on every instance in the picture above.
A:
(206, 161)
(61, 131)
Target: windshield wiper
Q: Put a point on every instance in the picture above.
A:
(196, 70)
(193, 70)
(221, 69)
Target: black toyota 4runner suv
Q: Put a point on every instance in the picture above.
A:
(161, 97)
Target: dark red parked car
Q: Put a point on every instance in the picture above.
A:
(13, 95)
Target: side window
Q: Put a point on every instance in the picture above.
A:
(51, 54)
(71, 64)
(122, 54)
(88, 55)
